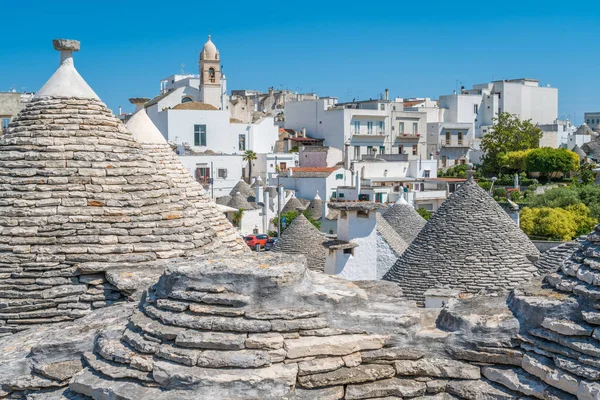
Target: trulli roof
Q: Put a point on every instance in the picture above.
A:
(301, 237)
(470, 244)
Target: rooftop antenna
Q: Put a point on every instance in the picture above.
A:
(182, 69)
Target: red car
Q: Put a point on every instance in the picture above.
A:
(253, 240)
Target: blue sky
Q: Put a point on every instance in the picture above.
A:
(338, 49)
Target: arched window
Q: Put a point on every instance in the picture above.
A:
(211, 74)
(186, 100)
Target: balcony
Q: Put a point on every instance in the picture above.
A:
(430, 195)
(456, 143)
(408, 135)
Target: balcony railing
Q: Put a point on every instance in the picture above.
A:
(456, 143)
(408, 135)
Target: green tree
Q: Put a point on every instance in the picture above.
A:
(249, 156)
(236, 218)
(291, 215)
(515, 160)
(557, 223)
(508, 133)
(424, 213)
(585, 175)
(549, 161)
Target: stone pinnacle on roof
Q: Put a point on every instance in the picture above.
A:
(141, 126)
(302, 237)
(469, 244)
(66, 81)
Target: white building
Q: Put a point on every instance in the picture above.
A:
(469, 115)
(557, 135)
(582, 135)
(592, 119)
(360, 127)
(192, 112)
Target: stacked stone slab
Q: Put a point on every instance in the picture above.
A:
(469, 244)
(81, 198)
(561, 331)
(152, 141)
(258, 328)
(405, 220)
(293, 204)
(302, 237)
(552, 259)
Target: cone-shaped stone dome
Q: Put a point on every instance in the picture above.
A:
(577, 150)
(470, 244)
(293, 204)
(243, 188)
(82, 199)
(405, 220)
(239, 201)
(301, 237)
(315, 207)
(145, 132)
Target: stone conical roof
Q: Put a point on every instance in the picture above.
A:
(315, 207)
(560, 329)
(301, 237)
(469, 244)
(551, 259)
(405, 220)
(145, 132)
(224, 200)
(81, 200)
(293, 204)
(577, 150)
(243, 188)
(239, 201)
(583, 129)
(257, 182)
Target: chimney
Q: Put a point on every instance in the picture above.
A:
(387, 94)
(259, 189)
(66, 48)
(120, 111)
(303, 132)
(139, 102)
(470, 172)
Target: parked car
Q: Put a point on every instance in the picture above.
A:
(254, 240)
(270, 243)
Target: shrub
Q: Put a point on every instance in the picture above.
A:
(515, 160)
(515, 195)
(548, 223)
(424, 213)
(500, 192)
(485, 185)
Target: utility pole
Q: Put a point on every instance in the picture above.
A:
(278, 201)
(212, 180)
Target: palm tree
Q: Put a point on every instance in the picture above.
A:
(249, 156)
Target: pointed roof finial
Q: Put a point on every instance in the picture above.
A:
(470, 172)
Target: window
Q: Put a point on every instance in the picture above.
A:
(282, 166)
(448, 138)
(348, 251)
(382, 107)
(341, 196)
(199, 135)
(186, 100)
(401, 128)
(242, 142)
(475, 108)
(380, 127)
(415, 128)
(339, 177)
(361, 213)
(444, 161)
(370, 127)
(381, 149)
(587, 121)
(222, 173)
(369, 149)
(211, 75)
(356, 125)
(394, 108)
(426, 173)
(463, 161)
(414, 151)
(356, 152)
(400, 149)
(460, 138)
(203, 174)
(5, 122)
